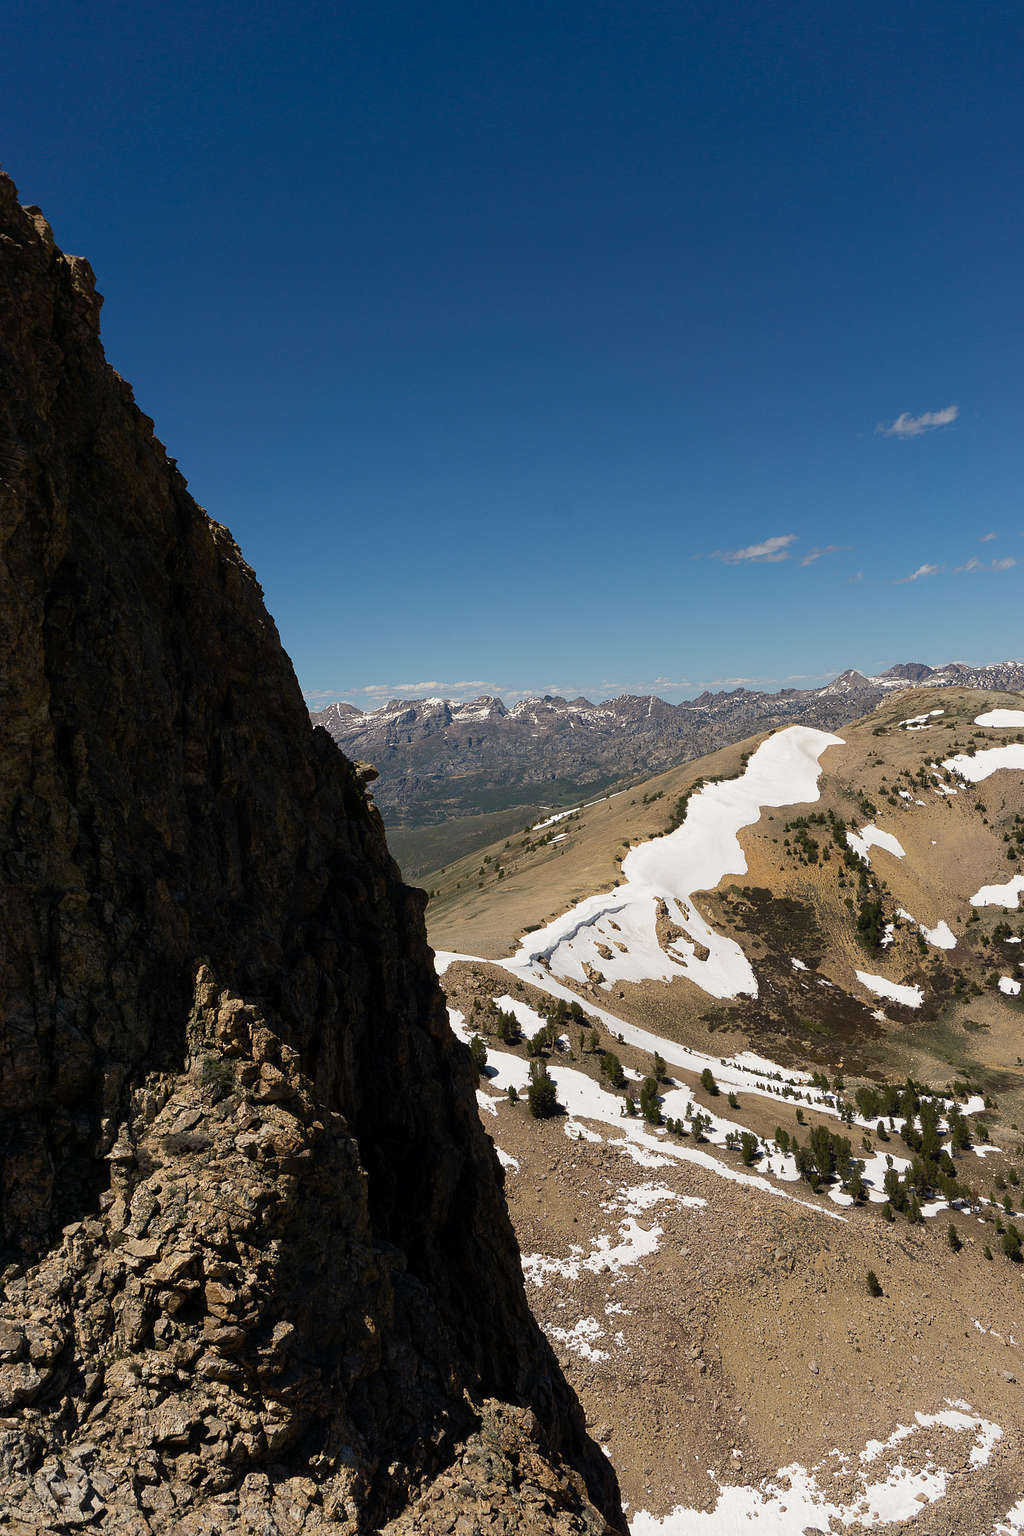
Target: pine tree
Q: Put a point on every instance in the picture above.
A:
(541, 1094)
(611, 1068)
(650, 1108)
(707, 1082)
(478, 1051)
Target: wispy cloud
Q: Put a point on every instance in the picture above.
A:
(906, 425)
(768, 551)
(825, 549)
(857, 576)
(374, 692)
(922, 570)
(974, 564)
(985, 538)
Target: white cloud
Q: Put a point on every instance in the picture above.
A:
(985, 538)
(906, 425)
(974, 564)
(826, 549)
(857, 576)
(922, 570)
(769, 550)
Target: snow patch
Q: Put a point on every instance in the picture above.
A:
(920, 722)
(1009, 986)
(580, 1338)
(528, 1019)
(663, 874)
(1005, 719)
(990, 760)
(1007, 895)
(940, 937)
(896, 992)
(808, 1501)
(873, 837)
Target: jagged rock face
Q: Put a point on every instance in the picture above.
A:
(260, 1274)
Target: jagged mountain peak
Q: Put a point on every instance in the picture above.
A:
(256, 1271)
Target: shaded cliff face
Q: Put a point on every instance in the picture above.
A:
(259, 1270)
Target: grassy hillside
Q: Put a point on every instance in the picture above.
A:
(775, 1240)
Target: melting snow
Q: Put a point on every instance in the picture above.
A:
(1009, 986)
(669, 870)
(988, 761)
(528, 1019)
(941, 936)
(999, 895)
(577, 1131)
(873, 837)
(443, 958)
(896, 992)
(558, 816)
(1007, 718)
(580, 1338)
(798, 1500)
(920, 722)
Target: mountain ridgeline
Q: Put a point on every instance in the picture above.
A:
(442, 758)
(258, 1273)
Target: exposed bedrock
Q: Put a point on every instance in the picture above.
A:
(259, 1272)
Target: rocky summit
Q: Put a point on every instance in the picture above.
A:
(257, 1269)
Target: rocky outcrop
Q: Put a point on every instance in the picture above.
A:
(259, 1274)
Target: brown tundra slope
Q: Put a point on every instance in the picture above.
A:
(258, 1273)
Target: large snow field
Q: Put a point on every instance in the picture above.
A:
(1007, 719)
(980, 765)
(889, 1487)
(1000, 895)
(615, 931)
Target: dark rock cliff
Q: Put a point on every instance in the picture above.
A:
(258, 1271)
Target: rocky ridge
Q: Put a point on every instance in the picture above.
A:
(258, 1271)
(441, 758)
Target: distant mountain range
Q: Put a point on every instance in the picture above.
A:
(443, 758)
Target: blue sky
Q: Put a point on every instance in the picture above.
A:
(537, 348)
